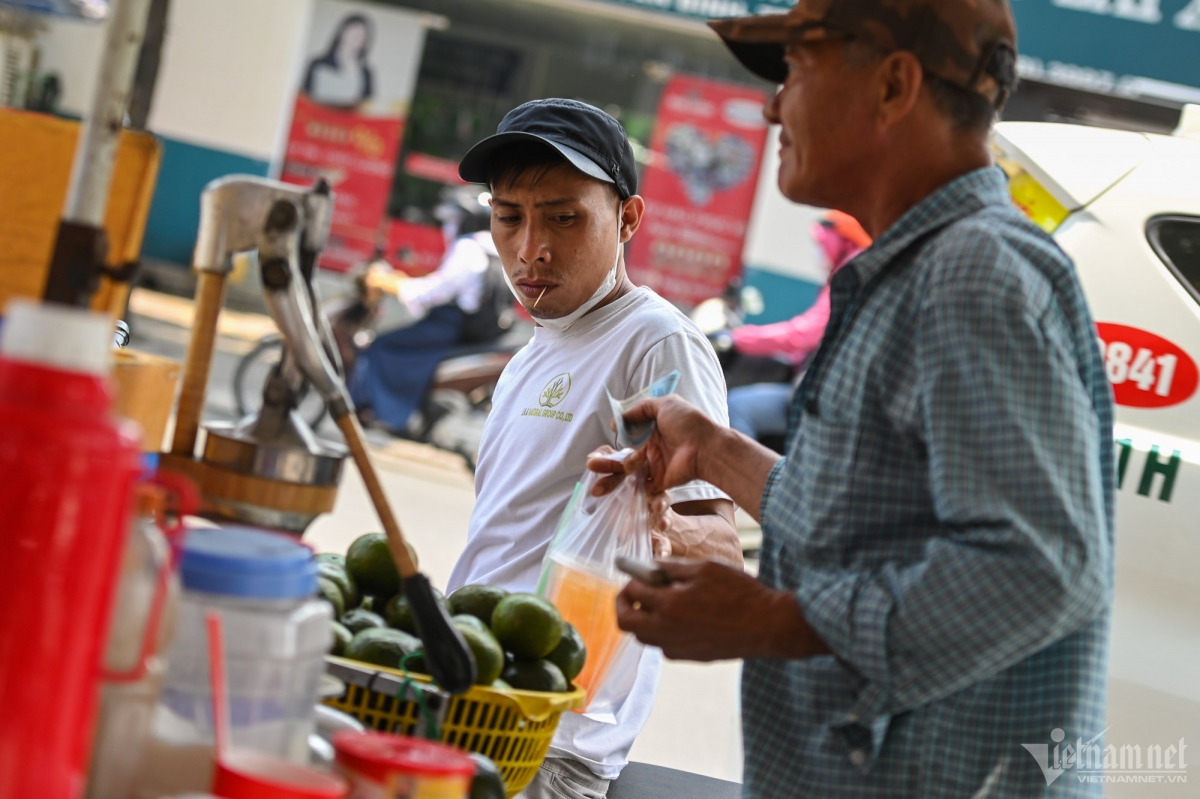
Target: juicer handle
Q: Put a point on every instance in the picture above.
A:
(290, 305)
(186, 501)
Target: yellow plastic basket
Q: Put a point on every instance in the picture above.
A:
(513, 728)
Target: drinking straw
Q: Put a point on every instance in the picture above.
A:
(216, 675)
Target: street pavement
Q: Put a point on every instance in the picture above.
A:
(695, 724)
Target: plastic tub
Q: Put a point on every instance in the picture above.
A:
(276, 633)
(383, 766)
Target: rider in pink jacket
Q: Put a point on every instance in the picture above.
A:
(761, 409)
(841, 238)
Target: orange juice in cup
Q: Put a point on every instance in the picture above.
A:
(587, 600)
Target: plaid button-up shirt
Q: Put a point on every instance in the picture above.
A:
(944, 517)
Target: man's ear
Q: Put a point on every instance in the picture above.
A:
(631, 216)
(900, 77)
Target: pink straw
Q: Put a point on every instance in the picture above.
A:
(216, 675)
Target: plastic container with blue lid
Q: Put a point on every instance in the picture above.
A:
(276, 634)
(247, 563)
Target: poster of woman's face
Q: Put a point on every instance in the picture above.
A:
(361, 57)
(342, 76)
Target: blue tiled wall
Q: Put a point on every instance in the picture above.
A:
(175, 212)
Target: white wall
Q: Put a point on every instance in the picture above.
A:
(779, 238)
(230, 69)
(229, 73)
(227, 77)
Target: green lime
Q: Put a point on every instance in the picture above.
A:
(470, 621)
(527, 625)
(489, 657)
(477, 600)
(399, 613)
(332, 571)
(378, 604)
(571, 652)
(501, 685)
(337, 559)
(535, 675)
(329, 591)
(341, 638)
(369, 563)
(358, 620)
(487, 783)
(381, 646)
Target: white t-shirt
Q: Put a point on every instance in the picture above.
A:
(535, 447)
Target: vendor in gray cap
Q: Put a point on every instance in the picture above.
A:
(932, 607)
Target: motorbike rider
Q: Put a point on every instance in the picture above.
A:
(760, 410)
(457, 304)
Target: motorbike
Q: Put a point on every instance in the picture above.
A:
(451, 414)
(717, 317)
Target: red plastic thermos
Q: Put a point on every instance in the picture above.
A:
(67, 472)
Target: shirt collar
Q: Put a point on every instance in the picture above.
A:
(959, 198)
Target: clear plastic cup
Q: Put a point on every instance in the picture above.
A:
(588, 601)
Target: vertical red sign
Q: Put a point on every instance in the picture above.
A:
(357, 154)
(699, 188)
(352, 98)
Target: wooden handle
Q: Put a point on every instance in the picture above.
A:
(348, 424)
(210, 296)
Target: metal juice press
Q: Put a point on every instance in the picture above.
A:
(269, 469)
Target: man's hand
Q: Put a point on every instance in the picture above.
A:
(380, 279)
(711, 611)
(681, 435)
(703, 528)
(603, 462)
(686, 446)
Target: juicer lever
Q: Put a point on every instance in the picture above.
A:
(290, 303)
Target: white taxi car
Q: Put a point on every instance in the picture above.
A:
(1126, 207)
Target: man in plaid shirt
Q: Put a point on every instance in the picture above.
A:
(936, 577)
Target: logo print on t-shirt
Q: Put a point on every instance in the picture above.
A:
(555, 391)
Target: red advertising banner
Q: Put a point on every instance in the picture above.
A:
(357, 154)
(413, 248)
(430, 167)
(699, 188)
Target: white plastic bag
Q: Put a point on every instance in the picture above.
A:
(580, 577)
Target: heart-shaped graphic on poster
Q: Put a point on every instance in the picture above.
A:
(707, 164)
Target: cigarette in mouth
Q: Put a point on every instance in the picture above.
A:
(539, 299)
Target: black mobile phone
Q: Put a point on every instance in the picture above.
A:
(648, 573)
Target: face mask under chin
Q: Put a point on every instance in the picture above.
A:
(605, 288)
